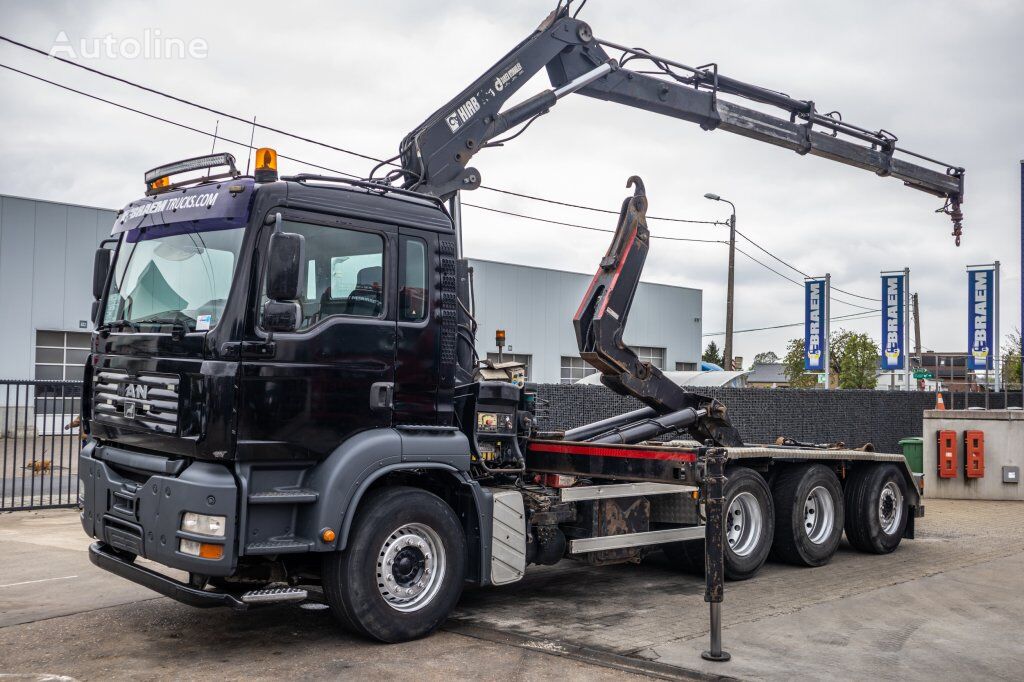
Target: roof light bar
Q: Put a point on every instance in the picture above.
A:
(197, 163)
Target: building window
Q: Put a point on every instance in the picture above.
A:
(575, 368)
(686, 366)
(515, 357)
(61, 356)
(655, 356)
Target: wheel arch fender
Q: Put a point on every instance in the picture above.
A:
(371, 459)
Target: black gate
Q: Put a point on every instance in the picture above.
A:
(39, 443)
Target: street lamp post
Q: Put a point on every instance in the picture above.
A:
(727, 351)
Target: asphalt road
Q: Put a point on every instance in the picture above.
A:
(945, 606)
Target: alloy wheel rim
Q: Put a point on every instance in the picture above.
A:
(744, 522)
(819, 515)
(411, 566)
(890, 508)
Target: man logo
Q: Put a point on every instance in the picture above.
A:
(137, 391)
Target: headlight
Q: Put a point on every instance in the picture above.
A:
(204, 550)
(203, 524)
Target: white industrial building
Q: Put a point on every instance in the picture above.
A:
(535, 307)
(46, 255)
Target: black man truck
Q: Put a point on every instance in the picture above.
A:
(282, 398)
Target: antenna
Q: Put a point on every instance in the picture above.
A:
(216, 127)
(251, 137)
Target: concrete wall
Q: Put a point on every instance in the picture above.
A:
(1004, 446)
(46, 254)
(761, 415)
(535, 307)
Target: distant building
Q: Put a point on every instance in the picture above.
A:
(767, 375)
(46, 255)
(46, 258)
(535, 307)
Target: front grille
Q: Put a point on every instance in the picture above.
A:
(147, 400)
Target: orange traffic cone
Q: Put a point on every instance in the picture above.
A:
(939, 404)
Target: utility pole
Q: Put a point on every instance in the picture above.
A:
(917, 333)
(917, 329)
(730, 291)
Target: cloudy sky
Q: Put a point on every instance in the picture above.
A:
(944, 76)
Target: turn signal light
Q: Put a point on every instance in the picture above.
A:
(203, 550)
(328, 535)
(266, 165)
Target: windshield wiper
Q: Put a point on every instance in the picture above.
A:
(179, 323)
(122, 323)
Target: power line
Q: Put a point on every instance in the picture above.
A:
(163, 119)
(367, 157)
(796, 269)
(793, 281)
(587, 227)
(850, 317)
(303, 138)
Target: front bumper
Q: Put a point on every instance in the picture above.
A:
(133, 502)
(106, 558)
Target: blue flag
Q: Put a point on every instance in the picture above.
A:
(893, 333)
(980, 338)
(814, 325)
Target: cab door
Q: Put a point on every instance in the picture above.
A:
(304, 392)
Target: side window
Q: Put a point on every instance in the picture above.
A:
(412, 287)
(344, 272)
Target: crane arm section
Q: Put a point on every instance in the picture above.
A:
(435, 156)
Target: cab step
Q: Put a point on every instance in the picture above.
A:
(285, 496)
(275, 595)
(282, 546)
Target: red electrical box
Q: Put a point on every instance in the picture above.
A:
(974, 454)
(945, 453)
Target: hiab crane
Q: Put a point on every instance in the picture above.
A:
(282, 398)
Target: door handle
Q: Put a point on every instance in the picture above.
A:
(382, 395)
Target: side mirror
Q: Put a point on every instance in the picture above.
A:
(100, 270)
(285, 264)
(282, 316)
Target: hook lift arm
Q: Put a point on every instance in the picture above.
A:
(435, 155)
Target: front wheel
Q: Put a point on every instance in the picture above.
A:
(402, 571)
(749, 527)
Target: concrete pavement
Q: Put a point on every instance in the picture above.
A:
(944, 606)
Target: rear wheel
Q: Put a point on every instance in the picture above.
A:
(749, 525)
(402, 572)
(808, 514)
(876, 508)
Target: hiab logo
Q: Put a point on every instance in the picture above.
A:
(458, 118)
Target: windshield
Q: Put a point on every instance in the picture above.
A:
(173, 276)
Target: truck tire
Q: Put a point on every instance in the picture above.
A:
(808, 515)
(876, 508)
(403, 569)
(750, 525)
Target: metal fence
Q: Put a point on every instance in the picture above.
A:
(39, 444)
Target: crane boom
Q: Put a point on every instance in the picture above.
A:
(435, 156)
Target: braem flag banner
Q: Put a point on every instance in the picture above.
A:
(894, 353)
(980, 337)
(814, 325)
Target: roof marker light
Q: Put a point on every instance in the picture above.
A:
(266, 165)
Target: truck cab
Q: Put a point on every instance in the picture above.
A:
(230, 431)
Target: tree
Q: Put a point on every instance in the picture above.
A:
(793, 366)
(768, 358)
(712, 354)
(1012, 359)
(853, 360)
